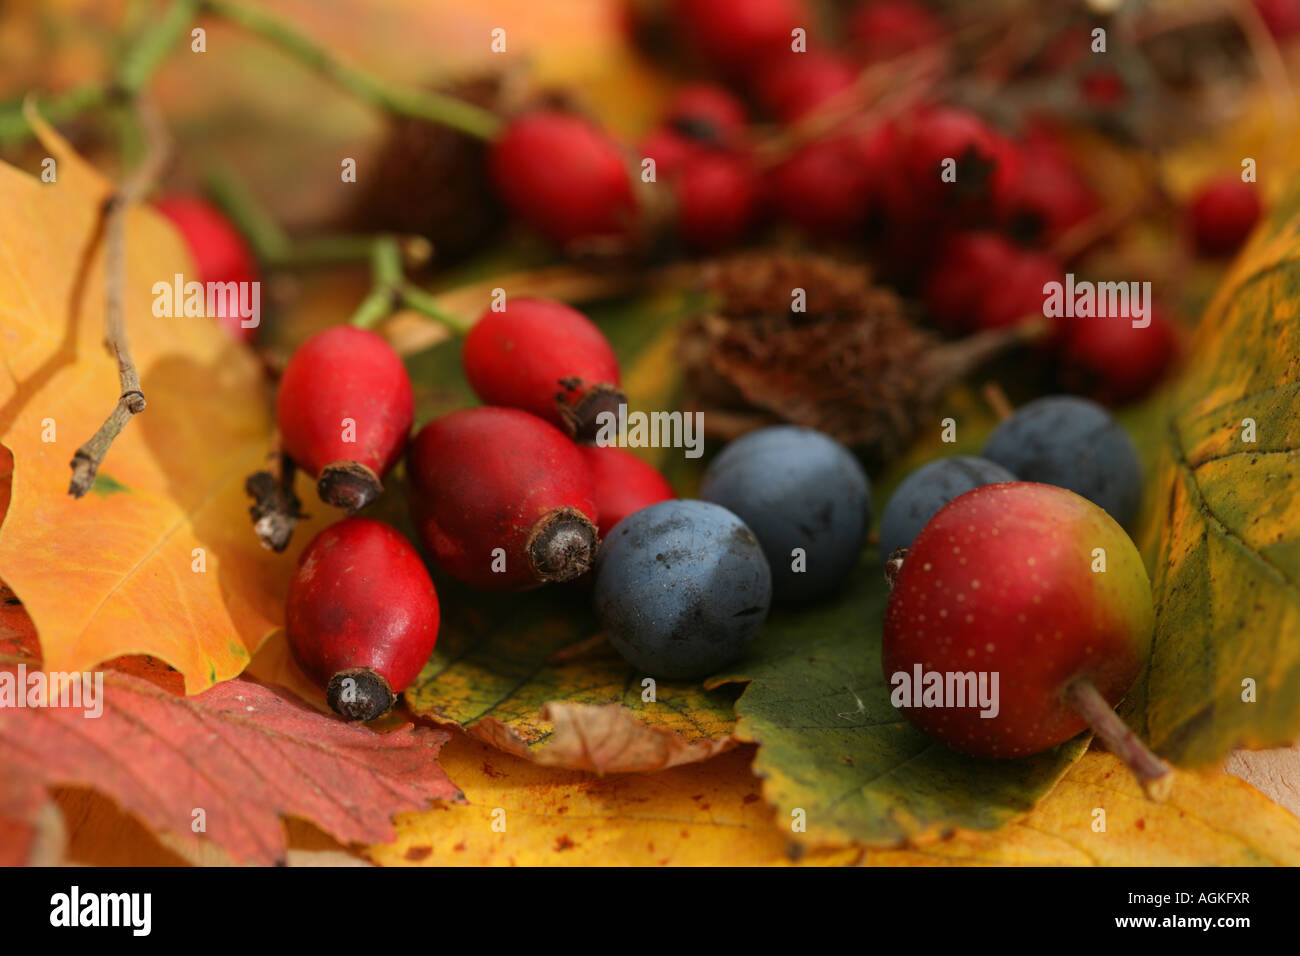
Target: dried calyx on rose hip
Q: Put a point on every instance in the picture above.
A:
(545, 358)
(682, 588)
(344, 412)
(362, 615)
(1041, 597)
(805, 497)
(502, 500)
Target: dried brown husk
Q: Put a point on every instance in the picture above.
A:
(851, 364)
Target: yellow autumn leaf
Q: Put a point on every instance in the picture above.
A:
(158, 558)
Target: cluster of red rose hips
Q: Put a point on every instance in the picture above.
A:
(502, 496)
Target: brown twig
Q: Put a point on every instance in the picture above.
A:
(276, 508)
(85, 463)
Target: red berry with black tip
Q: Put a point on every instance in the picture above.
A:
(1222, 215)
(622, 483)
(565, 177)
(1042, 196)
(737, 36)
(707, 113)
(546, 358)
(344, 412)
(220, 252)
(935, 135)
(1005, 581)
(362, 615)
(503, 500)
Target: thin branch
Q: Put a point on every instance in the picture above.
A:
(131, 401)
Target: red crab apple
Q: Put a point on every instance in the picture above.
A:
(1040, 587)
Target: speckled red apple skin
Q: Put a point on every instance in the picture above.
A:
(361, 597)
(481, 479)
(1001, 580)
(342, 373)
(622, 483)
(537, 355)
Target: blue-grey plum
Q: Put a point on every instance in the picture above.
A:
(681, 589)
(796, 488)
(928, 489)
(1073, 443)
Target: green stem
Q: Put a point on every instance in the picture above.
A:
(13, 124)
(391, 292)
(419, 300)
(228, 191)
(434, 107)
(140, 62)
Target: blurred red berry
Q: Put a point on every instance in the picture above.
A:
(564, 176)
(708, 113)
(1015, 293)
(967, 265)
(717, 198)
(737, 36)
(1103, 88)
(1222, 214)
(940, 133)
(1282, 17)
(1042, 195)
(219, 251)
(1109, 360)
(885, 29)
(792, 85)
(824, 188)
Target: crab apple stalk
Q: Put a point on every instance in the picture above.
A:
(546, 358)
(502, 500)
(362, 615)
(344, 412)
(1042, 589)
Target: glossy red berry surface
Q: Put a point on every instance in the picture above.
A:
(503, 500)
(622, 483)
(1222, 214)
(344, 412)
(1003, 580)
(564, 176)
(362, 615)
(546, 358)
(219, 251)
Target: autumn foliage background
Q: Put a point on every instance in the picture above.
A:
(499, 722)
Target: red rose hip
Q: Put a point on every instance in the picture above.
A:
(622, 483)
(362, 615)
(503, 500)
(1222, 214)
(1007, 581)
(344, 411)
(220, 252)
(564, 176)
(545, 358)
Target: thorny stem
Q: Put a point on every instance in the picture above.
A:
(85, 463)
(434, 107)
(1155, 776)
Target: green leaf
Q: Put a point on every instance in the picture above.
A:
(1224, 528)
(832, 744)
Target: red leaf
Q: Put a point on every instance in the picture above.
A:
(244, 753)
